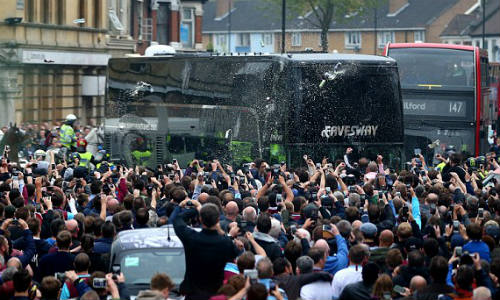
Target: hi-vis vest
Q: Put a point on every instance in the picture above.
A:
(67, 136)
(85, 159)
(141, 157)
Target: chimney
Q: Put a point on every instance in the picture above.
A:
(223, 7)
(395, 5)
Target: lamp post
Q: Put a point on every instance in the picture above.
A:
(283, 25)
(483, 6)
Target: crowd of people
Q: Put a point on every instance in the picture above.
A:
(324, 230)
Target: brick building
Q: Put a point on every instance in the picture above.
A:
(167, 22)
(255, 26)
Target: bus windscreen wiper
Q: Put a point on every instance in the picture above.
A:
(331, 76)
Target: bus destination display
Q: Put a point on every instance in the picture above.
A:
(435, 108)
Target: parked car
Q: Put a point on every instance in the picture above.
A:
(141, 253)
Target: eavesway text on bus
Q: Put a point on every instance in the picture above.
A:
(348, 130)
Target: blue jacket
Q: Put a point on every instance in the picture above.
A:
(103, 245)
(479, 247)
(340, 261)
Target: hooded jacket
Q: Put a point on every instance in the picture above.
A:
(269, 244)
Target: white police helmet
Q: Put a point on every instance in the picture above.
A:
(70, 117)
(40, 153)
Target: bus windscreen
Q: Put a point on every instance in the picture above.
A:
(432, 68)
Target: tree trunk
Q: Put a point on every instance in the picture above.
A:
(324, 39)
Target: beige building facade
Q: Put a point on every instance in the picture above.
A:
(53, 57)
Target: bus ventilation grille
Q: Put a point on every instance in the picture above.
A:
(159, 149)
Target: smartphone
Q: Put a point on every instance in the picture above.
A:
(458, 251)
(278, 198)
(60, 276)
(252, 274)
(327, 228)
(399, 289)
(99, 283)
(380, 194)
(318, 166)
(174, 161)
(480, 212)
(456, 225)
(417, 151)
(272, 285)
(328, 190)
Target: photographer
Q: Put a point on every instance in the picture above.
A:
(105, 285)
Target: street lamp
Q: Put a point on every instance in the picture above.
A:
(283, 25)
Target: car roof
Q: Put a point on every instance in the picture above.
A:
(146, 238)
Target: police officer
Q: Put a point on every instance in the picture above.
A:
(67, 134)
(85, 157)
(140, 154)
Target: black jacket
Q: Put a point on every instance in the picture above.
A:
(206, 253)
(432, 291)
(272, 248)
(358, 291)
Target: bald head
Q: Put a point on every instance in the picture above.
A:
(249, 214)
(202, 198)
(417, 283)
(432, 198)
(232, 209)
(356, 224)
(323, 245)
(481, 293)
(71, 225)
(15, 263)
(386, 238)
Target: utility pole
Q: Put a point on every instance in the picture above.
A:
(483, 6)
(230, 4)
(375, 24)
(283, 25)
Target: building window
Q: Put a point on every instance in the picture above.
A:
(30, 10)
(353, 40)
(296, 39)
(221, 41)
(162, 19)
(187, 28)
(243, 40)
(81, 12)
(468, 43)
(419, 36)
(97, 13)
(45, 9)
(385, 37)
(60, 12)
(267, 39)
(147, 29)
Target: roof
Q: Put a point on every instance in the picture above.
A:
(431, 45)
(458, 25)
(147, 238)
(471, 25)
(261, 15)
(339, 57)
(492, 25)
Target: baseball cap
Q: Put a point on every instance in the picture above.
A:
(369, 230)
(414, 243)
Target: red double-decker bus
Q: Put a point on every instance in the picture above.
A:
(495, 90)
(445, 97)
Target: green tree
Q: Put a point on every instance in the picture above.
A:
(324, 12)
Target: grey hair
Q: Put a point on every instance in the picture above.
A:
(305, 264)
(8, 274)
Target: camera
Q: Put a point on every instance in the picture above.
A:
(242, 225)
(480, 212)
(352, 189)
